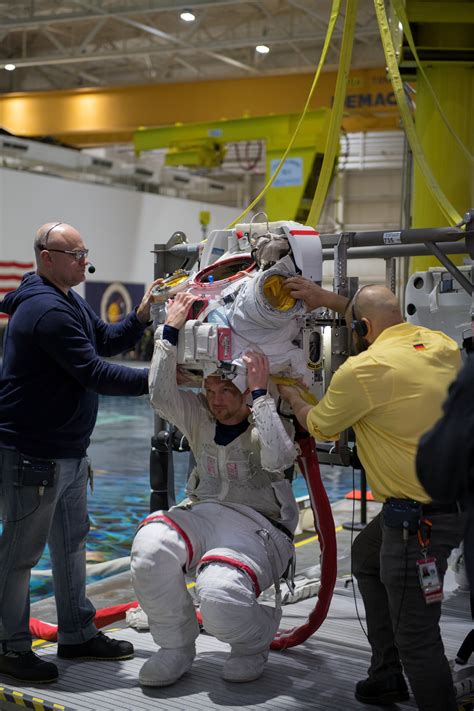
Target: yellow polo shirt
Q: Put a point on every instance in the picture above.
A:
(390, 394)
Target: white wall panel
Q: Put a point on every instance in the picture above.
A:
(119, 226)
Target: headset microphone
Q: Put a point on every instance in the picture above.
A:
(91, 268)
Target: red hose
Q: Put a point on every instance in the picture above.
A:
(104, 617)
(324, 525)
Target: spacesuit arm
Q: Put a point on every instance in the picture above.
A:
(277, 450)
(182, 408)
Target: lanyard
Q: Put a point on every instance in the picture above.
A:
(424, 534)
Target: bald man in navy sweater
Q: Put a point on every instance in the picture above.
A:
(53, 372)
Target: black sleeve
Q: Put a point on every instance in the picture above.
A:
(445, 454)
(115, 338)
(170, 334)
(63, 337)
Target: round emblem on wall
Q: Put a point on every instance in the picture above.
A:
(115, 303)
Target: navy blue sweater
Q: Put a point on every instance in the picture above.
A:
(52, 370)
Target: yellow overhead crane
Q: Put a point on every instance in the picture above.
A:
(203, 144)
(98, 116)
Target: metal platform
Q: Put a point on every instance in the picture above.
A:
(320, 674)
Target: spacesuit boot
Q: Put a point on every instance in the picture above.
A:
(166, 666)
(240, 668)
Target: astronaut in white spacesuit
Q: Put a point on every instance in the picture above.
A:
(236, 531)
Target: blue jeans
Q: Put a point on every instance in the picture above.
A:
(30, 520)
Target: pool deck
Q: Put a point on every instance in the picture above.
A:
(320, 674)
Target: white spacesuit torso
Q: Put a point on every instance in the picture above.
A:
(249, 470)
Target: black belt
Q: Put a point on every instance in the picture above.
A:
(441, 508)
(432, 508)
(280, 526)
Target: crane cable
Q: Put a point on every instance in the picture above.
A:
(335, 10)
(332, 140)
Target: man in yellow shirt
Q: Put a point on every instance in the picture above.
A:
(391, 393)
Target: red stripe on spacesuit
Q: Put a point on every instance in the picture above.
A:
(235, 564)
(177, 528)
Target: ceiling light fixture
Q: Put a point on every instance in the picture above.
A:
(10, 67)
(262, 49)
(188, 16)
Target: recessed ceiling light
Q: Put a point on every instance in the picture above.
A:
(188, 16)
(10, 67)
(262, 49)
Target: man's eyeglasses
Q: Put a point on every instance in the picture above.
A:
(81, 254)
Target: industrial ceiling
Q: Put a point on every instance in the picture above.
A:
(58, 45)
(67, 44)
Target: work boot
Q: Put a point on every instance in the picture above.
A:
(27, 667)
(244, 668)
(166, 666)
(99, 647)
(382, 692)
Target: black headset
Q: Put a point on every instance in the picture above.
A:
(357, 325)
(44, 240)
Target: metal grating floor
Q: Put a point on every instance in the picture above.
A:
(318, 675)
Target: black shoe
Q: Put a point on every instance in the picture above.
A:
(27, 666)
(99, 647)
(382, 691)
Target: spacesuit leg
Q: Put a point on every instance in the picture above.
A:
(158, 557)
(230, 612)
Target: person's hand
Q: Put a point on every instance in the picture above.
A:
(177, 309)
(257, 370)
(313, 295)
(292, 395)
(143, 311)
(287, 392)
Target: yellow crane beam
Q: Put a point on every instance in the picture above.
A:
(96, 116)
(204, 144)
(275, 130)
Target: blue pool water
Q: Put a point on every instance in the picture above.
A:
(120, 451)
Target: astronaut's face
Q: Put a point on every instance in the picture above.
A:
(225, 401)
